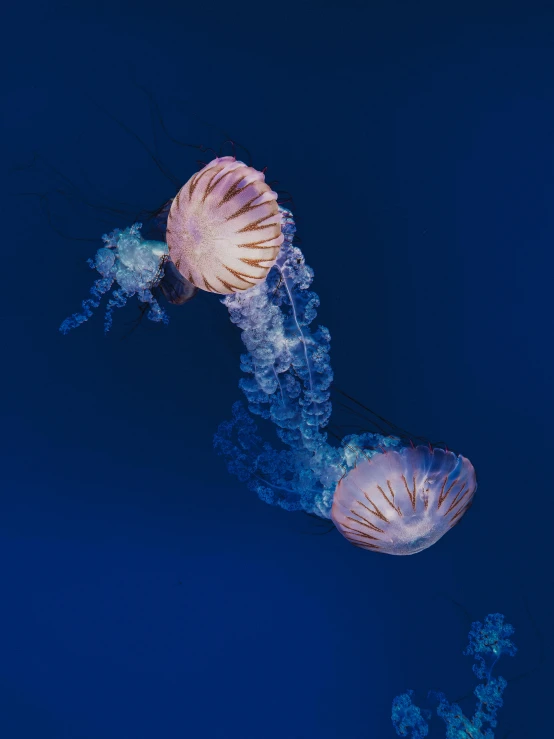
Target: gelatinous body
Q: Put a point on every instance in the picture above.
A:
(488, 641)
(382, 495)
(225, 233)
(135, 265)
(224, 227)
(401, 502)
(175, 288)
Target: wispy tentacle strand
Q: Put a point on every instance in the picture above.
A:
(289, 378)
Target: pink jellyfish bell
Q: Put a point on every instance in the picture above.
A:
(401, 502)
(224, 227)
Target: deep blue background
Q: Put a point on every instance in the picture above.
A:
(145, 593)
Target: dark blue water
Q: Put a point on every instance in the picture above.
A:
(145, 592)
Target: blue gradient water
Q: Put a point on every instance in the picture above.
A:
(145, 592)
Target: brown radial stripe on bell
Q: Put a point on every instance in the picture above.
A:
(208, 286)
(412, 494)
(235, 190)
(457, 498)
(256, 262)
(375, 510)
(210, 187)
(391, 500)
(443, 496)
(357, 532)
(241, 276)
(256, 244)
(365, 521)
(246, 208)
(232, 288)
(255, 225)
(195, 179)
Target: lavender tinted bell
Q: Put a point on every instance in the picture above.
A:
(401, 502)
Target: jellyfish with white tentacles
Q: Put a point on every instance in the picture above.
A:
(226, 233)
(382, 492)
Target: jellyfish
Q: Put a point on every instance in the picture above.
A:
(137, 266)
(223, 232)
(403, 500)
(382, 492)
(488, 641)
(224, 227)
(226, 233)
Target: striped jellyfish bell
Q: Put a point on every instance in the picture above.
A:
(401, 502)
(224, 227)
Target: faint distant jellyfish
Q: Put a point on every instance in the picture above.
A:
(135, 265)
(488, 641)
(224, 227)
(223, 232)
(403, 501)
